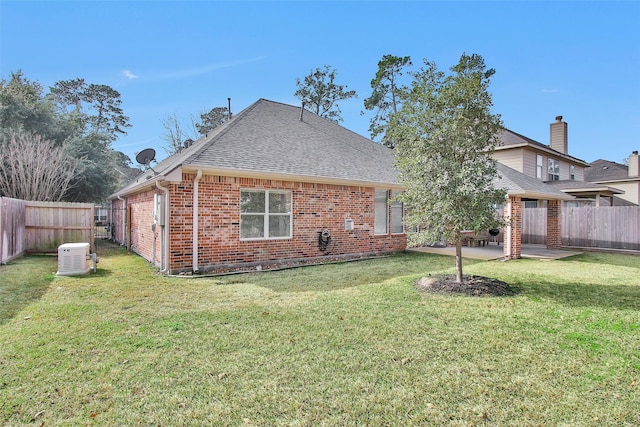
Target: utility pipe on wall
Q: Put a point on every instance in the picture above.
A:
(165, 242)
(196, 182)
(508, 242)
(125, 233)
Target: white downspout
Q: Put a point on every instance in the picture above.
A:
(165, 246)
(125, 235)
(196, 182)
(508, 242)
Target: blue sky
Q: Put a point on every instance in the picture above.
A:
(577, 59)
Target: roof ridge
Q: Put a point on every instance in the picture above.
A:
(220, 131)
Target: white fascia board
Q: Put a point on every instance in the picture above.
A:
(243, 173)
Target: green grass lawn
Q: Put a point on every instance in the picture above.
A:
(348, 344)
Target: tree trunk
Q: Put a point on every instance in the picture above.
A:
(459, 260)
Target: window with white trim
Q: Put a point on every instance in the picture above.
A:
(554, 170)
(265, 214)
(381, 212)
(539, 166)
(397, 216)
(572, 172)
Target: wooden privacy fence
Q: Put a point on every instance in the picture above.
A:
(608, 227)
(28, 226)
(12, 230)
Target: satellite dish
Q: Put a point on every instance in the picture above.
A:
(146, 156)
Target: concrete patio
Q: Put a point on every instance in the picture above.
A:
(494, 251)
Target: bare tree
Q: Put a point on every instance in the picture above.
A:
(175, 135)
(33, 168)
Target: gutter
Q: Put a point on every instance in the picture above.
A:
(125, 232)
(165, 242)
(196, 181)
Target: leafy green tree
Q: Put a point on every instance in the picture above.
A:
(386, 95)
(445, 133)
(124, 167)
(82, 119)
(98, 107)
(97, 174)
(23, 107)
(320, 93)
(212, 119)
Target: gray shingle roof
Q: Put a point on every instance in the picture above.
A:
(510, 138)
(519, 184)
(269, 138)
(604, 170)
(573, 186)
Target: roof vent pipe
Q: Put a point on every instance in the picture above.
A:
(229, 108)
(301, 110)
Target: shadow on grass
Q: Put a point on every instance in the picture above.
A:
(620, 260)
(621, 297)
(343, 275)
(24, 281)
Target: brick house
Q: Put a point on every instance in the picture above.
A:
(274, 184)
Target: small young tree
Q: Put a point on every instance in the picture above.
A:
(386, 95)
(444, 134)
(320, 93)
(33, 168)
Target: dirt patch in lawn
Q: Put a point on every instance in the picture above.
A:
(477, 286)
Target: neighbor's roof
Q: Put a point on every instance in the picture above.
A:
(604, 170)
(519, 184)
(274, 140)
(510, 139)
(571, 186)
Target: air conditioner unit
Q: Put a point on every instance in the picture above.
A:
(75, 259)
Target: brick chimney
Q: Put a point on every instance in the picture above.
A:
(634, 164)
(558, 136)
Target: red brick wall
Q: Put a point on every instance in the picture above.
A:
(516, 228)
(554, 238)
(145, 241)
(315, 207)
(118, 221)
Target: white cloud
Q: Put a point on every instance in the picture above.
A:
(128, 74)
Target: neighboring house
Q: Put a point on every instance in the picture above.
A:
(519, 188)
(625, 178)
(273, 185)
(552, 164)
